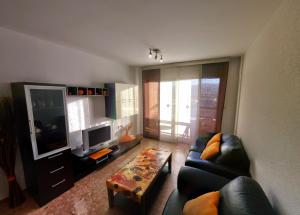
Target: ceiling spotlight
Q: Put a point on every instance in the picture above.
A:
(161, 59)
(150, 53)
(157, 53)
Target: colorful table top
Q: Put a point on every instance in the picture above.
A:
(133, 179)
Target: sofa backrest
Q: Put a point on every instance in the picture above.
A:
(233, 153)
(244, 196)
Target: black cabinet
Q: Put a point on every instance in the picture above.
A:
(54, 175)
(84, 165)
(42, 133)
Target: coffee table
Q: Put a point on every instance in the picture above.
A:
(136, 178)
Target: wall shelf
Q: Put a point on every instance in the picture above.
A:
(86, 91)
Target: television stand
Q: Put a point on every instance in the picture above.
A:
(84, 164)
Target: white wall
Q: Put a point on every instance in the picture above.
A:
(269, 112)
(27, 58)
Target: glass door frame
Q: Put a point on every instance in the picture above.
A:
(169, 137)
(27, 88)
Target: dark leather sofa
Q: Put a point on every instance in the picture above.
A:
(241, 196)
(232, 161)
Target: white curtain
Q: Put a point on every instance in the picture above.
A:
(179, 103)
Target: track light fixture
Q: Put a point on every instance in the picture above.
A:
(157, 52)
(150, 53)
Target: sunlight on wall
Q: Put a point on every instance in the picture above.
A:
(76, 114)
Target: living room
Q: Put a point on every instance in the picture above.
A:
(160, 107)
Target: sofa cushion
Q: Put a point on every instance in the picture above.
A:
(193, 160)
(211, 151)
(206, 204)
(226, 137)
(244, 196)
(195, 148)
(201, 141)
(233, 154)
(200, 144)
(216, 138)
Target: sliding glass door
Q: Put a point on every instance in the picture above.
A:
(181, 103)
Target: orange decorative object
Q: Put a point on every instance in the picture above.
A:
(100, 153)
(90, 92)
(126, 137)
(80, 92)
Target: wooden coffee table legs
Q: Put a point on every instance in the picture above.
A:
(143, 206)
(111, 196)
(170, 163)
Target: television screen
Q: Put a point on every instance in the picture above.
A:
(99, 135)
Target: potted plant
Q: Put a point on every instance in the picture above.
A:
(8, 151)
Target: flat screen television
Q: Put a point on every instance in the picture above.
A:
(97, 137)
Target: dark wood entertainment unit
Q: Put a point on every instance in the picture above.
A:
(83, 165)
(41, 132)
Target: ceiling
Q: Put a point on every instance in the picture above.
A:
(124, 30)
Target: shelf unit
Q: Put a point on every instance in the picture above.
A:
(86, 91)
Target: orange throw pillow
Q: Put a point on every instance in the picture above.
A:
(215, 138)
(206, 204)
(210, 151)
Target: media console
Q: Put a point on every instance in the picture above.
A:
(83, 165)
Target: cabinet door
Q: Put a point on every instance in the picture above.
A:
(121, 100)
(47, 119)
(125, 100)
(131, 100)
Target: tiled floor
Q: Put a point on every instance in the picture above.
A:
(89, 195)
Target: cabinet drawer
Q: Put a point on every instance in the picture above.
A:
(54, 175)
(49, 191)
(53, 167)
(53, 162)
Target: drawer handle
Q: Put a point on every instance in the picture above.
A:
(53, 171)
(55, 185)
(54, 156)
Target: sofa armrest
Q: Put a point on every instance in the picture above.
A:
(175, 204)
(193, 182)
